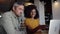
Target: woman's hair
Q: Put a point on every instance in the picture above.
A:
(28, 10)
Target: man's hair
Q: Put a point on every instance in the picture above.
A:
(18, 3)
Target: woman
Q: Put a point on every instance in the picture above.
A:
(32, 19)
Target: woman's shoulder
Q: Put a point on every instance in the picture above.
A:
(31, 19)
(37, 19)
(27, 19)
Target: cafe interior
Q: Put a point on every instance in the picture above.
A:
(49, 14)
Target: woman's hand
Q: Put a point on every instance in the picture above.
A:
(38, 30)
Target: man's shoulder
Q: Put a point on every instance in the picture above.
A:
(7, 13)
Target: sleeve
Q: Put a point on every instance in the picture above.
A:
(25, 22)
(7, 24)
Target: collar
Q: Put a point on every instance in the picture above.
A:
(13, 14)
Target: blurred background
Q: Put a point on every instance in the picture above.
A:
(48, 9)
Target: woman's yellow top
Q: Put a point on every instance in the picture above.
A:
(31, 23)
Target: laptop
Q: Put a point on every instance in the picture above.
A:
(54, 27)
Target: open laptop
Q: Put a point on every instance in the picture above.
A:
(54, 27)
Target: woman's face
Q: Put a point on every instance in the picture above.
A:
(33, 13)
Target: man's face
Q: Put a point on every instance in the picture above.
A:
(19, 10)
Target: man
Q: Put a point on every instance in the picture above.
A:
(10, 19)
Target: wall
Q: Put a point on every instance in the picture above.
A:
(56, 9)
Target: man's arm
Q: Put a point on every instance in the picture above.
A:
(7, 24)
